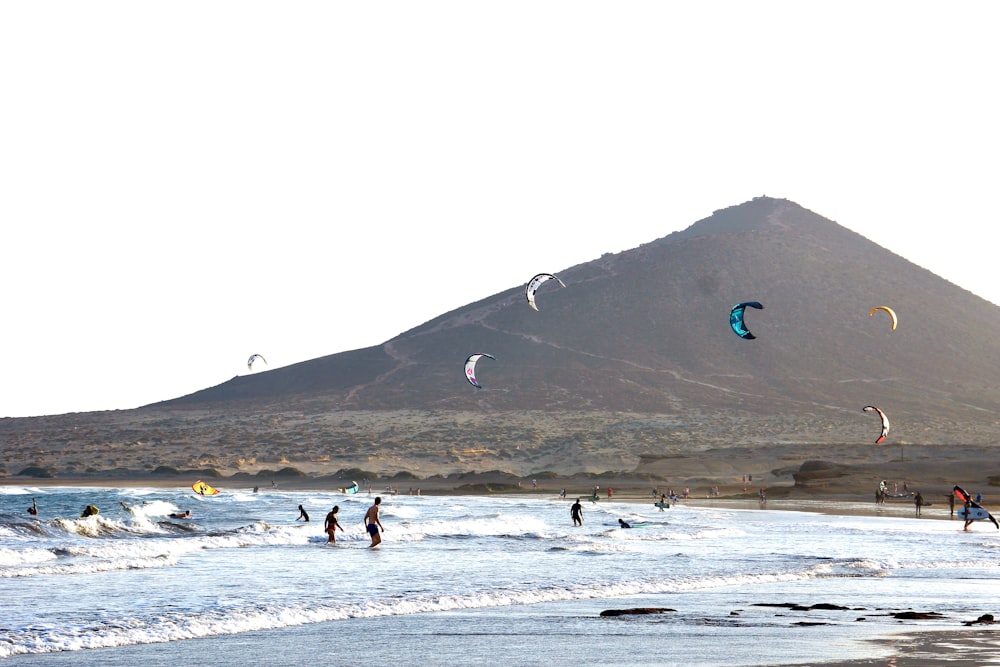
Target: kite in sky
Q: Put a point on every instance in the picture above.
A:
(885, 423)
(470, 368)
(253, 358)
(535, 283)
(736, 318)
(887, 309)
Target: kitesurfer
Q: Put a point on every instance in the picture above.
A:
(186, 514)
(968, 514)
(623, 524)
(372, 523)
(576, 511)
(33, 510)
(918, 500)
(330, 525)
(302, 514)
(89, 510)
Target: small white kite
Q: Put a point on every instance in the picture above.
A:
(470, 368)
(535, 283)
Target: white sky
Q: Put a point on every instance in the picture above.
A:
(184, 184)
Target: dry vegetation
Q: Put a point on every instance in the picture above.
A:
(635, 450)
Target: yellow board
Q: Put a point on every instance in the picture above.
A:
(203, 489)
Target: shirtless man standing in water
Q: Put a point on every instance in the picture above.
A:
(372, 523)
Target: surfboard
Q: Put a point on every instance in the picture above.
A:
(203, 489)
(662, 505)
(964, 496)
(975, 513)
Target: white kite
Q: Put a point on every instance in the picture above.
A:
(470, 368)
(535, 283)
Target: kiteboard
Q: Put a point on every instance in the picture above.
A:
(964, 496)
(349, 489)
(974, 513)
(203, 489)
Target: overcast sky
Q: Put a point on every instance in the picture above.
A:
(184, 184)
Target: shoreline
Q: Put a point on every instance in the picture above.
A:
(840, 503)
(485, 484)
(934, 646)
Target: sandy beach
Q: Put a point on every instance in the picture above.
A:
(783, 472)
(396, 640)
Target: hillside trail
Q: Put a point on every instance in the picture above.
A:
(478, 317)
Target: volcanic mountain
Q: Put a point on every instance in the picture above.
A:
(646, 331)
(634, 357)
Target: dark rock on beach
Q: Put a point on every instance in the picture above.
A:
(917, 615)
(636, 611)
(800, 607)
(827, 605)
(985, 619)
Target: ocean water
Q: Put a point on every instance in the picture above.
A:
(474, 580)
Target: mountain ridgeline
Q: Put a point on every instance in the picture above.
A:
(646, 331)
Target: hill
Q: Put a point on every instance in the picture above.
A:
(633, 360)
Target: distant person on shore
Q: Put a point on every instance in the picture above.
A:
(623, 524)
(968, 515)
(979, 497)
(576, 511)
(951, 504)
(918, 501)
(373, 524)
(331, 525)
(302, 514)
(33, 510)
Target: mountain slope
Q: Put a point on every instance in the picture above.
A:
(646, 330)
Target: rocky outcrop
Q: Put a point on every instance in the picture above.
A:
(635, 611)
